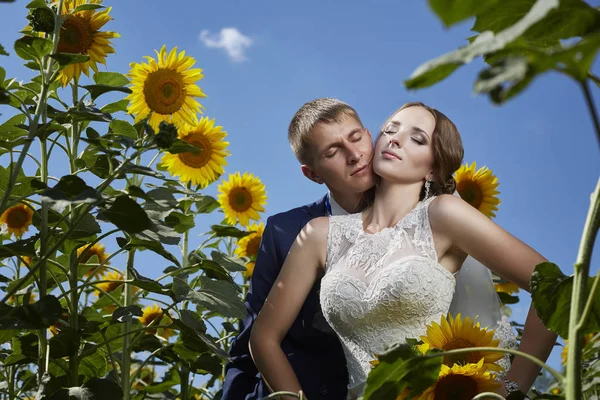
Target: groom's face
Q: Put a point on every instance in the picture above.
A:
(341, 154)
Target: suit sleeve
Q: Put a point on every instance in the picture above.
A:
(241, 375)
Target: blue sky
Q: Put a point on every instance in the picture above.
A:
(541, 145)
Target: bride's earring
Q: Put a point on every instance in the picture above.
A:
(427, 187)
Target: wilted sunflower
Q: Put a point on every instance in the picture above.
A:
(461, 382)
(456, 333)
(248, 245)
(84, 254)
(164, 89)
(80, 33)
(206, 165)
(152, 313)
(17, 219)
(242, 197)
(506, 287)
(478, 188)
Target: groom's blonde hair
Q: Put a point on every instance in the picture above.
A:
(323, 110)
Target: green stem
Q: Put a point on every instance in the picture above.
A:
(592, 109)
(43, 279)
(185, 371)
(146, 361)
(75, 129)
(110, 355)
(488, 395)
(594, 78)
(581, 273)
(11, 382)
(126, 353)
(557, 375)
(278, 395)
(93, 348)
(39, 110)
(74, 320)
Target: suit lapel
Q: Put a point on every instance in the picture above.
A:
(318, 208)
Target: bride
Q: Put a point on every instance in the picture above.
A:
(389, 271)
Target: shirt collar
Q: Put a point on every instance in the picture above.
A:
(333, 207)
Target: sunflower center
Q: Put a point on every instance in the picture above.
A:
(17, 218)
(199, 158)
(112, 286)
(76, 35)
(456, 387)
(471, 193)
(459, 343)
(240, 199)
(148, 318)
(252, 247)
(85, 257)
(164, 91)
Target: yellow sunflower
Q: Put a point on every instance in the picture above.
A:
(242, 197)
(17, 219)
(249, 270)
(205, 165)
(248, 245)
(145, 378)
(80, 33)
(111, 286)
(461, 382)
(478, 188)
(506, 287)
(152, 313)
(565, 351)
(456, 333)
(27, 261)
(84, 254)
(165, 89)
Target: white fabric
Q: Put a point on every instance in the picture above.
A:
(383, 288)
(336, 209)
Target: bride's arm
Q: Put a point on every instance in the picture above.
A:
(458, 224)
(298, 275)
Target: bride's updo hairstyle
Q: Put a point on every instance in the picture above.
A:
(448, 150)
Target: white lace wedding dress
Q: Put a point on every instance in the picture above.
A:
(381, 288)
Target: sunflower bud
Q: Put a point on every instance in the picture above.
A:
(167, 133)
(41, 20)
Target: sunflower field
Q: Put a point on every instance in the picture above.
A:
(76, 320)
(77, 317)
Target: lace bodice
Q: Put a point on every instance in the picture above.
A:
(383, 288)
(380, 289)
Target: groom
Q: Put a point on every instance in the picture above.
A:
(333, 148)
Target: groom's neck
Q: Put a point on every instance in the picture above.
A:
(351, 202)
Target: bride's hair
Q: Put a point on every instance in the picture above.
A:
(448, 150)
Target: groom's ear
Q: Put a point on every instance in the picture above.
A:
(312, 175)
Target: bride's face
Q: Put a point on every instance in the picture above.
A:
(404, 151)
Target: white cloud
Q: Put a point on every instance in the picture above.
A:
(231, 40)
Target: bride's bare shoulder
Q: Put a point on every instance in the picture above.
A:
(448, 209)
(315, 231)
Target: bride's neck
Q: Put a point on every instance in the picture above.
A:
(392, 202)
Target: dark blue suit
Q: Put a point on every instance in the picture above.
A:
(311, 346)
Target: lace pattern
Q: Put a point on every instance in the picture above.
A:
(380, 289)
